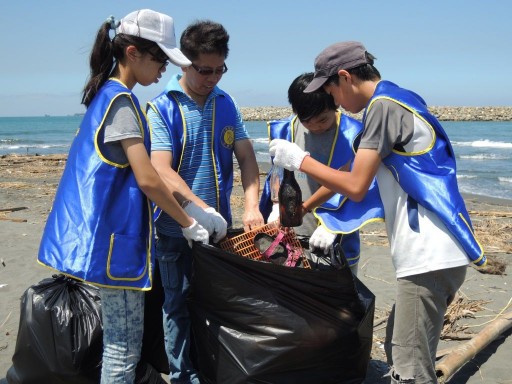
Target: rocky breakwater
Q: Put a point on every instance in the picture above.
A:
(442, 113)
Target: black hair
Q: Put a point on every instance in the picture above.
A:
(204, 37)
(365, 72)
(308, 105)
(105, 55)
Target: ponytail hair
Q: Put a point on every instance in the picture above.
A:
(101, 63)
(107, 53)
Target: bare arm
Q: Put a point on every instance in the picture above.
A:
(353, 184)
(150, 183)
(249, 170)
(162, 161)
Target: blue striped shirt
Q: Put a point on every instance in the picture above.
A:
(196, 168)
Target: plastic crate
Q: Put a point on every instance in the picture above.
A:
(243, 245)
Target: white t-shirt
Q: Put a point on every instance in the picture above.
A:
(433, 247)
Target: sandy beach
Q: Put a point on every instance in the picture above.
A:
(27, 187)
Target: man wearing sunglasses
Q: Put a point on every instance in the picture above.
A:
(196, 129)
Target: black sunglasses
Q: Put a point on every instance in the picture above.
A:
(160, 58)
(210, 71)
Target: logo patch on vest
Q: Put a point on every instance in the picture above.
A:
(228, 136)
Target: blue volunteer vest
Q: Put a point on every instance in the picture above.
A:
(100, 229)
(224, 121)
(429, 177)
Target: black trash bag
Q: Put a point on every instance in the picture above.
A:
(256, 322)
(333, 260)
(60, 334)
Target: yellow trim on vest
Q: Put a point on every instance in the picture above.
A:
(100, 127)
(294, 125)
(184, 135)
(374, 220)
(215, 171)
(338, 119)
(292, 128)
(96, 284)
(434, 136)
(480, 245)
(110, 276)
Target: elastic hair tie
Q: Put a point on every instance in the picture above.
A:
(113, 22)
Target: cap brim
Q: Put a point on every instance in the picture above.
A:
(315, 84)
(176, 56)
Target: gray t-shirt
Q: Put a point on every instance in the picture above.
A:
(388, 125)
(121, 123)
(318, 145)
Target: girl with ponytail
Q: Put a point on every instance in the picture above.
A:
(100, 229)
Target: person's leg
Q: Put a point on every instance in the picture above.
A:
(175, 262)
(416, 322)
(123, 326)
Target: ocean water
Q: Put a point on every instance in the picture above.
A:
(37, 135)
(483, 149)
(483, 153)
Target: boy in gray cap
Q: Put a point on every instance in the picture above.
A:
(428, 226)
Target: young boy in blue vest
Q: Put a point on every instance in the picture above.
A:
(196, 129)
(330, 137)
(429, 228)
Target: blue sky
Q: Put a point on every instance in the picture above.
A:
(452, 52)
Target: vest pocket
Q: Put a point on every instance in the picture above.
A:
(128, 258)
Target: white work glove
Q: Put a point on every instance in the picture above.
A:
(321, 239)
(220, 225)
(195, 233)
(274, 215)
(201, 216)
(287, 155)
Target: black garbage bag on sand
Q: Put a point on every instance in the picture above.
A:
(60, 335)
(257, 322)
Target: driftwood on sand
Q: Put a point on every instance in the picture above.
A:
(3, 211)
(463, 353)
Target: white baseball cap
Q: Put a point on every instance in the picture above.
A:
(157, 27)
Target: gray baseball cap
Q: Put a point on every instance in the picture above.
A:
(343, 55)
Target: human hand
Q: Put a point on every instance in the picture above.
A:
(219, 223)
(321, 239)
(274, 215)
(252, 218)
(195, 232)
(201, 216)
(287, 155)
